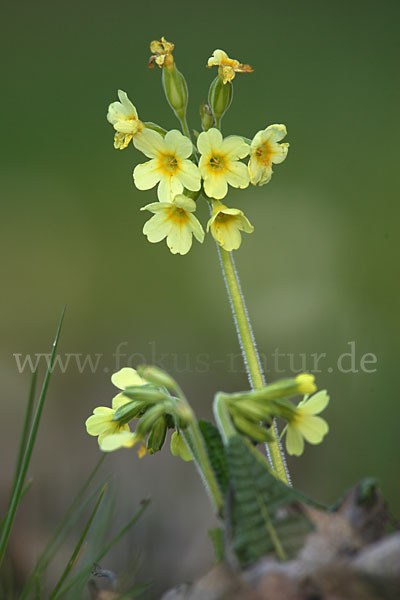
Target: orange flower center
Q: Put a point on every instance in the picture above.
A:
(177, 215)
(169, 163)
(263, 154)
(217, 162)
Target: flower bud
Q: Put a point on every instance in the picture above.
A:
(129, 411)
(149, 418)
(149, 393)
(255, 432)
(252, 411)
(207, 119)
(157, 376)
(176, 90)
(157, 435)
(219, 98)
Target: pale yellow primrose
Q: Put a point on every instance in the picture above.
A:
(219, 162)
(228, 67)
(169, 165)
(112, 435)
(305, 425)
(226, 224)
(265, 151)
(123, 116)
(174, 221)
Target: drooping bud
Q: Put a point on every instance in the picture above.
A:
(219, 98)
(157, 435)
(149, 418)
(129, 411)
(207, 119)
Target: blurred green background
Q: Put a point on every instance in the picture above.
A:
(320, 271)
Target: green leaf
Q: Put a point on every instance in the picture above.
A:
(266, 514)
(216, 453)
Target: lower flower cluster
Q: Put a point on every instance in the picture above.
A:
(156, 403)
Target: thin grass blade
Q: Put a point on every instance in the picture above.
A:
(19, 484)
(85, 572)
(71, 516)
(72, 561)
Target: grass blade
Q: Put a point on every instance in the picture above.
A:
(19, 484)
(76, 508)
(25, 429)
(86, 571)
(78, 547)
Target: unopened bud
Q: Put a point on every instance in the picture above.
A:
(157, 435)
(255, 432)
(219, 98)
(207, 119)
(157, 376)
(252, 411)
(129, 411)
(176, 90)
(148, 420)
(148, 393)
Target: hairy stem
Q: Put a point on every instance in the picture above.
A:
(249, 352)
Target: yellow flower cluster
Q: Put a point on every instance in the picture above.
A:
(111, 434)
(182, 171)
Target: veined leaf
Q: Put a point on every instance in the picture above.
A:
(216, 453)
(267, 515)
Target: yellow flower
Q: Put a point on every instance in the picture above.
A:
(161, 53)
(226, 225)
(305, 425)
(219, 162)
(174, 221)
(101, 424)
(169, 165)
(112, 434)
(265, 151)
(228, 67)
(123, 116)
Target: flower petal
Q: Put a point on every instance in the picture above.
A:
(294, 441)
(178, 144)
(179, 240)
(313, 429)
(150, 142)
(215, 186)
(117, 440)
(238, 175)
(168, 188)
(235, 147)
(316, 404)
(146, 175)
(209, 140)
(127, 377)
(157, 228)
(189, 175)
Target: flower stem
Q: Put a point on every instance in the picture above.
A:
(196, 444)
(249, 352)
